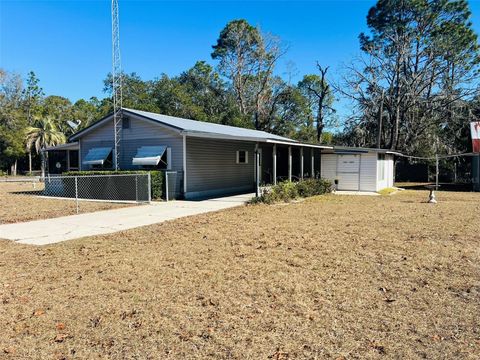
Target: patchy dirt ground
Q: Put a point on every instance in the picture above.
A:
(334, 277)
(18, 202)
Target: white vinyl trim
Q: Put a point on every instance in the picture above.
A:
(169, 158)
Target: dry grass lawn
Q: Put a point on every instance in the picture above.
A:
(18, 207)
(334, 277)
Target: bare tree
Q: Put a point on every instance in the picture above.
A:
(318, 90)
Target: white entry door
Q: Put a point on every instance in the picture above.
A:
(348, 172)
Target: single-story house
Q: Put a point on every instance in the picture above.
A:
(212, 159)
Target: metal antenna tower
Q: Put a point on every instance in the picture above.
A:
(116, 83)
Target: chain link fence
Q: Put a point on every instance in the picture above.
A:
(448, 172)
(112, 188)
(171, 184)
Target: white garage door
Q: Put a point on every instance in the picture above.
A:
(348, 172)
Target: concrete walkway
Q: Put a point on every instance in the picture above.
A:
(50, 231)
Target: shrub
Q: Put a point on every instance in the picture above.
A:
(156, 178)
(312, 187)
(287, 191)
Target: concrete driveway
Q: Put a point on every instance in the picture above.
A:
(50, 231)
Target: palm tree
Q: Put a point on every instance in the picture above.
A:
(44, 134)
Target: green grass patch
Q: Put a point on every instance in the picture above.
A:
(387, 191)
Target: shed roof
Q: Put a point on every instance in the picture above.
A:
(359, 150)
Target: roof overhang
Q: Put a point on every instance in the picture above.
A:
(345, 150)
(206, 135)
(67, 146)
(300, 144)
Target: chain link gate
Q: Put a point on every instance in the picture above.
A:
(170, 185)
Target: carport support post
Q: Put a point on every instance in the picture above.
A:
(301, 163)
(289, 163)
(313, 161)
(166, 185)
(436, 172)
(274, 164)
(257, 171)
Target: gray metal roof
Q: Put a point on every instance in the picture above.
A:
(201, 127)
(350, 149)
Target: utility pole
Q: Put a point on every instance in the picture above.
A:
(116, 83)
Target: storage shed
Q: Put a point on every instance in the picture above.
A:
(358, 169)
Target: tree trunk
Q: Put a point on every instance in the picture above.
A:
(257, 123)
(13, 168)
(42, 154)
(380, 123)
(394, 135)
(320, 124)
(29, 162)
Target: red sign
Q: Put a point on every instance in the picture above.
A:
(475, 130)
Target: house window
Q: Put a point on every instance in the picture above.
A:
(153, 157)
(381, 167)
(242, 157)
(125, 123)
(99, 158)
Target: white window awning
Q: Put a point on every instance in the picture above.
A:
(97, 156)
(149, 155)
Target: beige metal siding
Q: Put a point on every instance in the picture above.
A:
(388, 179)
(365, 180)
(329, 166)
(348, 172)
(368, 172)
(212, 167)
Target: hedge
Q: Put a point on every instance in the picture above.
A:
(288, 190)
(156, 178)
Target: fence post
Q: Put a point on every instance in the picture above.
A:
(436, 172)
(136, 187)
(149, 186)
(166, 185)
(76, 191)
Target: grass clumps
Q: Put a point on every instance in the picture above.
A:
(387, 191)
(287, 191)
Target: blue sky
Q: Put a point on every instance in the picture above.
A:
(68, 43)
